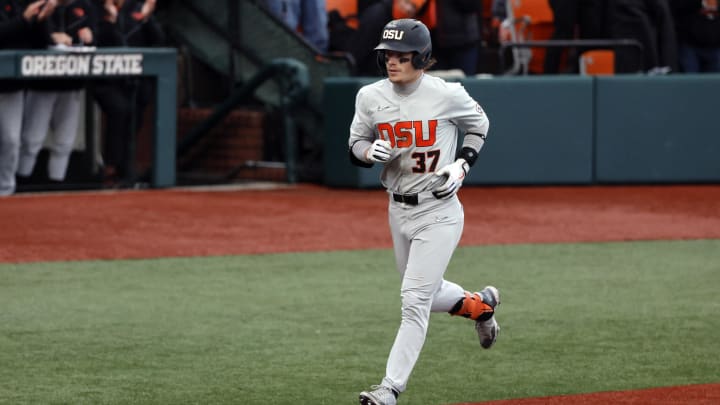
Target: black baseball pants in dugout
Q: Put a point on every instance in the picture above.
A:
(123, 101)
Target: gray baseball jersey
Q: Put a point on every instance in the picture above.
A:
(421, 128)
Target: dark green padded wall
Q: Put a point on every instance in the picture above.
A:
(540, 130)
(658, 129)
(339, 101)
(570, 130)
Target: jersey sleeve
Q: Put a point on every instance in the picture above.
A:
(467, 113)
(361, 130)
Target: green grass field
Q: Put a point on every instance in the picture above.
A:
(315, 328)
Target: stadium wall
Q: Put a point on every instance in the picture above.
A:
(567, 130)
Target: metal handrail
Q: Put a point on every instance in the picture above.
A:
(294, 82)
(237, 44)
(222, 32)
(572, 43)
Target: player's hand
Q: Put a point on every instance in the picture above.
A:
(85, 35)
(32, 10)
(47, 9)
(379, 151)
(455, 173)
(147, 9)
(111, 11)
(61, 38)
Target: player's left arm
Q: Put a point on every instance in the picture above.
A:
(472, 121)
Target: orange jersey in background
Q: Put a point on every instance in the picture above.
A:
(410, 9)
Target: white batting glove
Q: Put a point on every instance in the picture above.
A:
(379, 151)
(455, 173)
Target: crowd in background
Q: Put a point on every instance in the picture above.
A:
(455, 25)
(676, 35)
(35, 113)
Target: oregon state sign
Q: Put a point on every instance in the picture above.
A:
(101, 64)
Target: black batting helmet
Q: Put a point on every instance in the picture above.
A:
(406, 35)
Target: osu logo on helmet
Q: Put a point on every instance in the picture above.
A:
(393, 34)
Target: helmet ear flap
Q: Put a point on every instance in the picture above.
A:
(419, 60)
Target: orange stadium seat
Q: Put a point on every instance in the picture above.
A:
(348, 10)
(597, 62)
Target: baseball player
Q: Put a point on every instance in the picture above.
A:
(408, 122)
(56, 103)
(124, 23)
(20, 28)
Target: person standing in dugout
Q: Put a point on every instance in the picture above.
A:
(56, 103)
(19, 29)
(408, 122)
(124, 23)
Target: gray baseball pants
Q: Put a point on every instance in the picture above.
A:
(11, 112)
(424, 238)
(59, 110)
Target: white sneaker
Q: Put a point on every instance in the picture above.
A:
(488, 330)
(380, 395)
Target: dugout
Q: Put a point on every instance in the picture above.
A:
(160, 64)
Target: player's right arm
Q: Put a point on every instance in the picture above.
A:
(365, 149)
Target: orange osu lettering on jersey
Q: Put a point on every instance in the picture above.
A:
(403, 134)
(406, 133)
(385, 131)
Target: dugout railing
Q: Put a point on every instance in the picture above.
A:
(293, 81)
(521, 60)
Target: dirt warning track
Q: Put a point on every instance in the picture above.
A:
(178, 223)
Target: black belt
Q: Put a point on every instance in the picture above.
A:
(410, 199)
